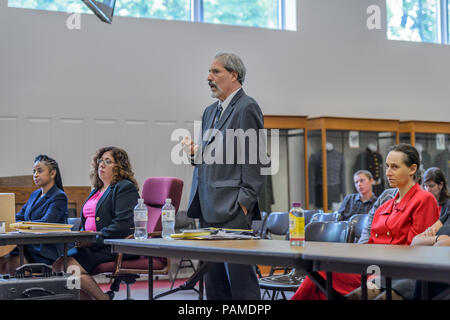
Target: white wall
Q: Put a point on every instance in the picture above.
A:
(67, 92)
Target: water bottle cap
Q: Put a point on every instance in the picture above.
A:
(168, 200)
(296, 204)
(140, 200)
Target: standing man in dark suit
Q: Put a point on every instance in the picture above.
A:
(227, 175)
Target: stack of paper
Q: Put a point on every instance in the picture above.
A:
(39, 227)
(215, 234)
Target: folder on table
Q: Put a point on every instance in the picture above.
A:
(215, 234)
(36, 227)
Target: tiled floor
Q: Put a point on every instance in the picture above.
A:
(139, 291)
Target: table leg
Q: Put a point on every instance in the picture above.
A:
(150, 278)
(322, 284)
(200, 284)
(424, 290)
(388, 288)
(191, 282)
(364, 287)
(21, 254)
(329, 284)
(65, 257)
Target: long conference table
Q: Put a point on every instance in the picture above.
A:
(20, 239)
(420, 263)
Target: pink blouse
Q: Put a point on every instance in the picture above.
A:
(89, 211)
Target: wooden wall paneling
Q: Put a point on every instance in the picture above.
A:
(76, 195)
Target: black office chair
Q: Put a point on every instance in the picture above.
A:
(259, 228)
(75, 222)
(359, 222)
(328, 231)
(308, 214)
(277, 223)
(323, 217)
(314, 231)
(259, 225)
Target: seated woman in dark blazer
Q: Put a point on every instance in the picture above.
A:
(108, 210)
(46, 204)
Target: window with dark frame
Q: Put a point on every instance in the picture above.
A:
(271, 14)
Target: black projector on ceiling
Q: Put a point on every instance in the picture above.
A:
(104, 9)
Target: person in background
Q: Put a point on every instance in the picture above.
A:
(387, 194)
(108, 210)
(434, 182)
(361, 202)
(397, 221)
(436, 235)
(48, 204)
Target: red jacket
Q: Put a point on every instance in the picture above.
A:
(392, 224)
(400, 223)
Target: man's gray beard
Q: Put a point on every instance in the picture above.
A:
(217, 93)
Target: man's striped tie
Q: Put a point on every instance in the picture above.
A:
(218, 113)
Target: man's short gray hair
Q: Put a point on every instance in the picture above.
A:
(232, 62)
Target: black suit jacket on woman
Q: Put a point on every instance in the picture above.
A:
(114, 211)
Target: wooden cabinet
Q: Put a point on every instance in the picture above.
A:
(287, 137)
(432, 140)
(337, 147)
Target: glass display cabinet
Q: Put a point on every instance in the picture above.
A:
(286, 144)
(337, 148)
(432, 140)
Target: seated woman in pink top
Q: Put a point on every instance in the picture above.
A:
(397, 221)
(108, 210)
(89, 211)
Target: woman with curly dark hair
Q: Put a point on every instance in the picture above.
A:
(108, 210)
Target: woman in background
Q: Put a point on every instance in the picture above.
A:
(47, 204)
(435, 183)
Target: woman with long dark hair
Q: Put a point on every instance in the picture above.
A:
(47, 204)
(434, 182)
(108, 210)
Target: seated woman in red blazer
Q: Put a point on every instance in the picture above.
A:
(397, 221)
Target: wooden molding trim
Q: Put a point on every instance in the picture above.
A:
(284, 122)
(424, 127)
(356, 124)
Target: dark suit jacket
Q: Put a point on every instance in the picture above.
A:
(219, 188)
(114, 211)
(52, 208)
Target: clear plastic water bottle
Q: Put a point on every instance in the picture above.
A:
(168, 219)
(140, 220)
(297, 225)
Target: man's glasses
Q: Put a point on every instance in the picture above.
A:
(107, 162)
